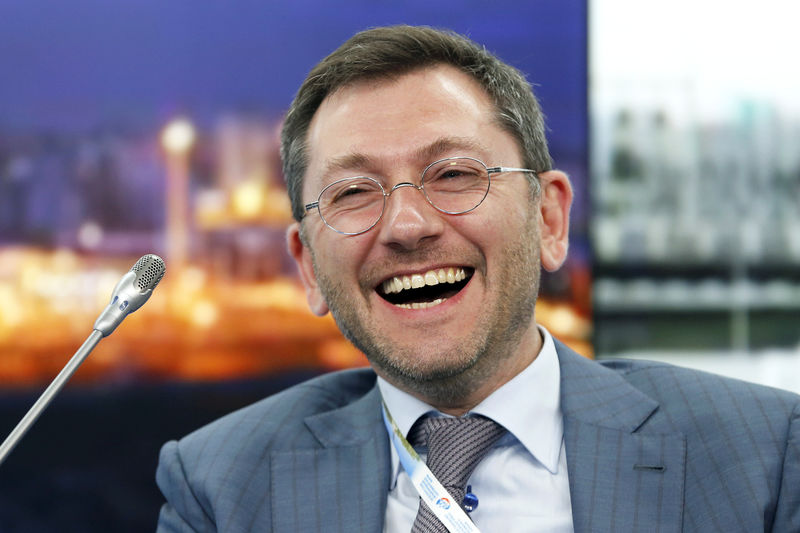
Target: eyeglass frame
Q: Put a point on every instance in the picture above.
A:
(421, 187)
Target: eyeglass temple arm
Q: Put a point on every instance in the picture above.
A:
(495, 170)
(309, 207)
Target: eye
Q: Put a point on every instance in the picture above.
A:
(455, 175)
(350, 194)
(451, 173)
(352, 189)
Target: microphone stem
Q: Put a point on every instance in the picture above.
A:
(47, 396)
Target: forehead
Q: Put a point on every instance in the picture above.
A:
(399, 118)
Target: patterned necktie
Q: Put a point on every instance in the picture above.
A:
(455, 447)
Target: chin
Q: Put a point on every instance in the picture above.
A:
(440, 378)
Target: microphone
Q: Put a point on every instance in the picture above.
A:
(130, 293)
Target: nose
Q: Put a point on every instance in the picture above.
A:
(408, 219)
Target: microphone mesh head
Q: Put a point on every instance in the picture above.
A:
(149, 271)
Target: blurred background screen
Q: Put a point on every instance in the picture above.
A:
(130, 128)
(695, 185)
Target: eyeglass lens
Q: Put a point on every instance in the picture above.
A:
(454, 186)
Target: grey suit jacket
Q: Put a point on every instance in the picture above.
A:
(650, 447)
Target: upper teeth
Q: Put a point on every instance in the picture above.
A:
(431, 277)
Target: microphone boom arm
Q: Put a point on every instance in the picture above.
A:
(47, 396)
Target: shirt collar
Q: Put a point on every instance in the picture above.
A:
(537, 424)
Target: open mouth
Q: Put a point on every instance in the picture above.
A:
(425, 289)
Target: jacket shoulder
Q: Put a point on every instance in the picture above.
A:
(227, 460)
(280, 417)
(684, 392)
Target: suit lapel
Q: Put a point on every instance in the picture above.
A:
(626, 472)
(342, 485)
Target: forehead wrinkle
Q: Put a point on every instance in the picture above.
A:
(357, 161)
(426, 154)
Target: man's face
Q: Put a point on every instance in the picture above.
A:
(460, 335)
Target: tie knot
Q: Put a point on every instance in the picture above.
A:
(455, 445)
(436, 427)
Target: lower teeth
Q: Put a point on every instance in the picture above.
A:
(422, 305)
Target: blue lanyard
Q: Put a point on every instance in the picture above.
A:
(443, 505)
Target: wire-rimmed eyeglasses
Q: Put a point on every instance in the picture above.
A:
(455, 185)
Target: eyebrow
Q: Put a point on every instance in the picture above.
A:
(346, 162)
(447, 144)
(428, 153)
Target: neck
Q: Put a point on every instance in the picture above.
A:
(457, 395)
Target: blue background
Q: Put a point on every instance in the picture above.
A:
(72, 68)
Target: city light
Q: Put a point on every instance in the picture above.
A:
(178, 136)
(248, 199)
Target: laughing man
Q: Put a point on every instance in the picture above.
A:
(425, 206)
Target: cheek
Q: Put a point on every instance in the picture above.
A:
(341, 258)
(504, 224)
(506, 238)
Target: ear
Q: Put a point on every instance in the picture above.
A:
(555, 202)
(305, 266)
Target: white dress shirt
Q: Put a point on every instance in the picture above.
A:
(522, 483)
